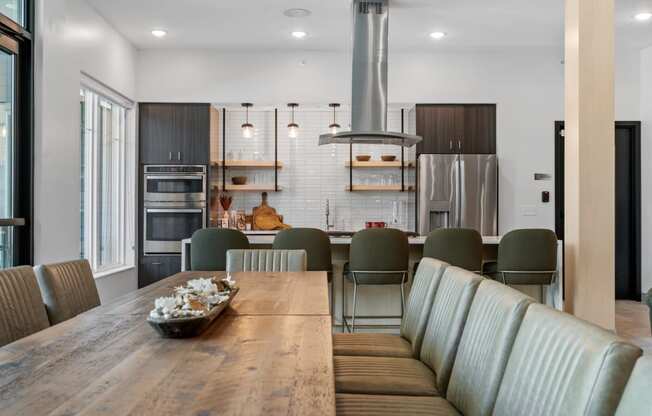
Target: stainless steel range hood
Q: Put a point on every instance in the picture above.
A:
(369, 92)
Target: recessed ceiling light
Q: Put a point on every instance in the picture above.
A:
(159, 33)
(438, 35)
(299, 34)
(296, 12)
(642, 17)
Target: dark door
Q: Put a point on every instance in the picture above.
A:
(441, 126)
(627, 200)
(195, 148)
(155, 268)
(479, 129)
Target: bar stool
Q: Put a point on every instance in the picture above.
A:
(317, 245)
(460, 247)
(377, 256)
(526, 257)
(209, 246)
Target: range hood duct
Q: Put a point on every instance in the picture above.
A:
(369, 92)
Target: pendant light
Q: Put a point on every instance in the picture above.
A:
(334, 127)
(293, 128)
(247, 128)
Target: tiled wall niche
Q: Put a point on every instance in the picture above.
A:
(313, 174)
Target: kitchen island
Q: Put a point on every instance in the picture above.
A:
(384, 300)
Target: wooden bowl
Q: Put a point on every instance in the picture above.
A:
(363, 158)
(239, 180)
(388, 158)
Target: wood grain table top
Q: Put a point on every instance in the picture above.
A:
(270, 354)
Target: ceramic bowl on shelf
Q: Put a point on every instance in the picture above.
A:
(239, 180)
(363, 158)
(388, 158)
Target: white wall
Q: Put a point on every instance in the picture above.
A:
(72, 38)
(527, 86)
(646, 167)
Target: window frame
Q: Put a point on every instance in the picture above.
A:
(123, 223)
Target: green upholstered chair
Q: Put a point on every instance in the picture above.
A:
(266, 261)
(526, 257)
(637, 400)
(429, 375)
(22, 311)
(460, 247)
(408, 343)
(377, 256)
(317, 245)
(208, 248)
(68, 289)
(562, 365)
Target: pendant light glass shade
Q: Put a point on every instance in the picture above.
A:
(293, 128)
(247, 127)
(334, 127)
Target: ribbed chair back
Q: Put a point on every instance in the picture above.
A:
(208, 248)
(266, 261)
(314, 241)
(379, 250)
(22, 312)
(68, 289)
(419, 302)
(446, 322)
(496, 315)
(458, 247)
(527, 257)
(637, 400)
(560, 365)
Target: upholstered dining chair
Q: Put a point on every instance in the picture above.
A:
(208, 248)
(377, 256)
(317, 245)
(526, 257)
(22, 312)
(68, 289)
(266, 261)
(459, 247)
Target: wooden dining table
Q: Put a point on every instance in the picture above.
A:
(269, 353)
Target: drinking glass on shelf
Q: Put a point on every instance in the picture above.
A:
(229, 155)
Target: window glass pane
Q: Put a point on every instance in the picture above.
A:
(82, 202)
(13, 9)
(6, 155)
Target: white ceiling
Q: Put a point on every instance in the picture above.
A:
(254, 25)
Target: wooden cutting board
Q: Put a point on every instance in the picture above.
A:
(265, 217)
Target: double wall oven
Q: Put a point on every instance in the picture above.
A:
(174, 204)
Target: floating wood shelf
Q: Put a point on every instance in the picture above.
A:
(378, 164)
(249, 164)
(379, 188)
(252, 188)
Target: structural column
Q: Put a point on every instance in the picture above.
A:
(589, 164)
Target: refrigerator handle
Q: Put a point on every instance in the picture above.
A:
(459, 146)
(450, 145)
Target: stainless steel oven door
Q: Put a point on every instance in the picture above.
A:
(164, 228)
(171, 188)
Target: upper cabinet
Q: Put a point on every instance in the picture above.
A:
(456, 128)
(174, 133)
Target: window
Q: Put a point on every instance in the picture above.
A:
(105, 200)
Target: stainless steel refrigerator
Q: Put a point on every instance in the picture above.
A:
(457, 191)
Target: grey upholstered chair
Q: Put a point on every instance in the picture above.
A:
(428, 376)
(377, 256)
(637, 400)
(317, 245)
(408, 343)
(266, 261)
(68, 289)
(22, 312)
(562, 365)
(526, 257)
(208, 248)
(491, 327)
(458, 247)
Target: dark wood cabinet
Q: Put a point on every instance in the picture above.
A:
(456, 128)
(154, 268)
(174, 133)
